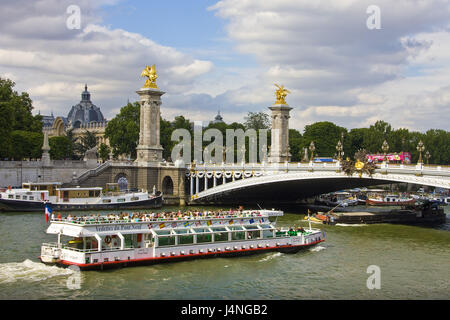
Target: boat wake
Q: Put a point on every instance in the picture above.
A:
(350, 225)
(270, 257)
(317, 248)
(29, 271)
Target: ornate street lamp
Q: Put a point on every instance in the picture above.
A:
(420, 148)
(428, 156)
(312, 148)
(339, 150)
(385, 148)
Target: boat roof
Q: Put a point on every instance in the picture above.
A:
(42, 183)
(94, 226)
(78, 188)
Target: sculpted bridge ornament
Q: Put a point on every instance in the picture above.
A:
(214, 180)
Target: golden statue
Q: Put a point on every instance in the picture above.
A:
(151, 75)
(281, 94)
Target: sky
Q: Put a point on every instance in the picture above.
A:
(227, 55)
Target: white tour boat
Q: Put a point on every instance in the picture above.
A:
(34, 197)
(104, 242)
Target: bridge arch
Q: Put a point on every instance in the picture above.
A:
(122, 180)
(167, 185)
(289, 187)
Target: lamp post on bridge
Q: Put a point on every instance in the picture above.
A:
(420, 148)
(312, 148)
(385, 148)
(339, 149)
(428, 156)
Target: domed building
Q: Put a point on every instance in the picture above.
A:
(84, 112)
(218, 118)
(82, 117)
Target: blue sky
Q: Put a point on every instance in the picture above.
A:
(186, 25)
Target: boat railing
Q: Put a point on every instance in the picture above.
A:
(286, 233)
(149, 219)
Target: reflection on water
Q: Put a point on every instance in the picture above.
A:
(414, 263)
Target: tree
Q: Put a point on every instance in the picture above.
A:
(87, 141)
(257, 120)
(295, 145)
(26, 144)
(60, 148)
(16, 115)
(123, 130)
(325, 135)
(104, 151)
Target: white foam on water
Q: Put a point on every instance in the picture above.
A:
(29, 271)
(270, 257)
(351, 225)
(317, 248)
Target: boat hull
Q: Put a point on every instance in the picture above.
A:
(30, 206)
(290, 249)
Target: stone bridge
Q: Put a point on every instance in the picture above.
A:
(288, 182)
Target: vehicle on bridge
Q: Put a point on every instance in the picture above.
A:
(34, 197)
(104, 242)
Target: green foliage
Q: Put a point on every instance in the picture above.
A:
(103, 152)
(60, 148)
(295, 145)
(16, 115)
(257, 120)
(325, 135)
(123, 130)
(87, 141)
(26, 144)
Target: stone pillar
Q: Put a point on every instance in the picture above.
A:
(279, 150)
(45, 158)
(149, 150)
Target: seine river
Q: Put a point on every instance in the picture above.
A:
(414, 264)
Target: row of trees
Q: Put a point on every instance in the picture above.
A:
(21, 134)
(123, 134)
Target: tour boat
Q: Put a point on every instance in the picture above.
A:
(104, 242)
(34, 197)
(390, 200)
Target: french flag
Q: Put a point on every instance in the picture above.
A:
(48, 212)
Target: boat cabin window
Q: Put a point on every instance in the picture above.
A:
(203, 238)
(73, 243)
(267, 233)
(31, 198)
(254, 234)
(24, 197)
(185, 239)
(168, 240)
(10, 196)
(238, 235)
(17, 197)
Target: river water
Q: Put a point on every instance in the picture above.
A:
(414, 263)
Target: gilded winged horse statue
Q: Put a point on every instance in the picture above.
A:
(281, 94)
(150, 73)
